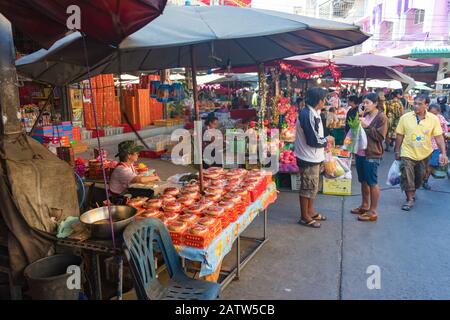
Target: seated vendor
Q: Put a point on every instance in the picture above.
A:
(125, 173)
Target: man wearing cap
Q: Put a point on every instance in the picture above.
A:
(125, 173)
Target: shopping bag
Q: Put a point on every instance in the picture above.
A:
(439, 172)
(362, 141)
(355, 140)
(393, 178)
(434, 160)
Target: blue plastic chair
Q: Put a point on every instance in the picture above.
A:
(141, 238)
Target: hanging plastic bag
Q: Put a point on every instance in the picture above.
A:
(362, 141)
(439, 172)
(434, 160)
(355, 140)
(393, 178)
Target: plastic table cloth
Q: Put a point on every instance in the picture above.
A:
(211, 256)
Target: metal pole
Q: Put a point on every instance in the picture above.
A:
(9, 97)
(365, 79)
(197, 114)
(238, 257)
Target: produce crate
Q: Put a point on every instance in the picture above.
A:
(337, 187)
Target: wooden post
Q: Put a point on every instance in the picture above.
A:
(9, 97)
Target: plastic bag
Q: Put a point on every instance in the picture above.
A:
(393, 178)
(355, 140)
(362, 141)
(434, 160)
(439, 172)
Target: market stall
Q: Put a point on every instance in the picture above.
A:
(197, 45)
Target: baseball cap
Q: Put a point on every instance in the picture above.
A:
(129, 147)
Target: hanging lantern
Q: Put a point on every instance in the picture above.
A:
(176, 92)
(163, 93)
(154, 85)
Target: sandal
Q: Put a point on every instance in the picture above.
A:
(408, 205)
(311, 224)
(319, 217)
(359, 210)
(366, 217)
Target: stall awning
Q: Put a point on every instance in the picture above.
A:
(430, 52)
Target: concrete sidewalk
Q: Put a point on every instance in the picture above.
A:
(411, 249)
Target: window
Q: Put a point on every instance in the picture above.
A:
(419, 16)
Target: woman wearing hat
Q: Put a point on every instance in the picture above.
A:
(125, 173)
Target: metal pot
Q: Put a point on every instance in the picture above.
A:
(121, 215)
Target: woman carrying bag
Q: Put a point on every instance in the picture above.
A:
(375, 125)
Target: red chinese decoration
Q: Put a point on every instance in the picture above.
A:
(317, 72)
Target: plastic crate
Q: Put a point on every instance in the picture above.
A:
(149, 154)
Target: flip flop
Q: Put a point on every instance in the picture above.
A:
(366, 217)
(310, 224)
(319, 217)
(359, 210)
(408, 206)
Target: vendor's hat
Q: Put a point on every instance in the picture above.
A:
(128, 147)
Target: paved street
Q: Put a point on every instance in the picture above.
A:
(411, 249)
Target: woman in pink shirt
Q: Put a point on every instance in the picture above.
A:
(436, 110)
(125, 173)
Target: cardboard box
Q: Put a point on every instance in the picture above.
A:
(337, 187)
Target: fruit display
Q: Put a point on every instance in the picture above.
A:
(288, 161)
(195, 220)
(333, 167)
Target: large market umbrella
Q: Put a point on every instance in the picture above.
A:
(377, 73)
(306, 62)
(220, 36)
(108, 21)
(443, 81)
(236, 77)
(205, 37)
(368, 65)
(373, 60)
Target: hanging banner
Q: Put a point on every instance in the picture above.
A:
(76, 102)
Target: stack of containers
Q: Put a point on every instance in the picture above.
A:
(41, 133)
(106, 104)
(141, 109)
(76, 133)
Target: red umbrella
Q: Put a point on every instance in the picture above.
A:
(108, 21)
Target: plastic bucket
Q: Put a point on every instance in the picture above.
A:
(48, 278)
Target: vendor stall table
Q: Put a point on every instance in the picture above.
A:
(212, 256)
(209, 257)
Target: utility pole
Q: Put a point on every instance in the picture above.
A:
(9, 93)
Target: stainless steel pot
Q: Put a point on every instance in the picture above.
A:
(121, 215)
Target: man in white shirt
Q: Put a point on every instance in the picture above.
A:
(309, 150)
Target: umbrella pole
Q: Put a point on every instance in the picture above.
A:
(197, 116)
(365, 78)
